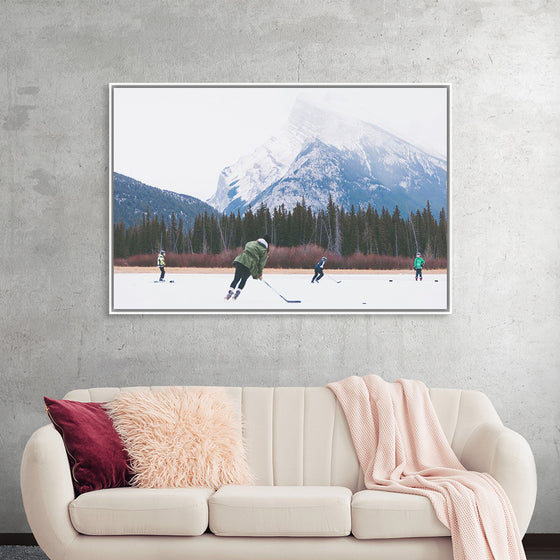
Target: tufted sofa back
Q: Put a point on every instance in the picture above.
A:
(299, 436)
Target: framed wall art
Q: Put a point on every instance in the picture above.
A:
(279, 198)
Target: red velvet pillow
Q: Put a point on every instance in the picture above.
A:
(97, 456)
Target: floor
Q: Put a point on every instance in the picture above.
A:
(22, 553)
(544, 551)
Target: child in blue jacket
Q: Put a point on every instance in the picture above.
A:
(419, 262)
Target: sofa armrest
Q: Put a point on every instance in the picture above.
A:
(504, 454)
(47, 490)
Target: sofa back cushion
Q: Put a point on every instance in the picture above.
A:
(299, 436)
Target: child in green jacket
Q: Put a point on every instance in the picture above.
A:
(161, 265)
(419, 262)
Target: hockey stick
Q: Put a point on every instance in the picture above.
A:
(278, 293)
(331, 278)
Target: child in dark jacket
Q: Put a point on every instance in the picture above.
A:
(319, 270)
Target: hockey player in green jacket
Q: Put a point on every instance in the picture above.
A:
(419, 262)
(249, 263)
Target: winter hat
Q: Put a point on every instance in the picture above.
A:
(323, 258)
(264, 240)
(418, 255)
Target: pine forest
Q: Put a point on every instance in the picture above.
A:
(352, 235)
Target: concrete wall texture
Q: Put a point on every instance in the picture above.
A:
(502, 59)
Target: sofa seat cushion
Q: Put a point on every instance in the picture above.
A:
(280, 511)
(142, 511)
(391, 515)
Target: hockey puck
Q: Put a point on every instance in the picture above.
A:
(436, 280)
(390, 280)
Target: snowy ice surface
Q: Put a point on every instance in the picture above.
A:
(356, 293)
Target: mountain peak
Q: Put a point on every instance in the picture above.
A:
(320, 152)
(316, 120)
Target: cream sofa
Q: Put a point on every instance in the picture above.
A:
(308, 500)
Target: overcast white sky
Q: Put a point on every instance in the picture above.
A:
(180, 138)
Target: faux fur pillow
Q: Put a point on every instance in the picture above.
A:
(178, 438)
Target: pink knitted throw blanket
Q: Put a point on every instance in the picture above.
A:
(401, 447)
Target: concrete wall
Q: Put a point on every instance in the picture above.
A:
(503, 62)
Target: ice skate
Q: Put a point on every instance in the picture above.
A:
(229, 294)
(236, 295)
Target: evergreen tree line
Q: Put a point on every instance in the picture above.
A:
(336, 229)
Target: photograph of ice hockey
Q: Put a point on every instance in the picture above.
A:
(279, 198)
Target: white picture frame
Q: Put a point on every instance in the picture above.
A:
(343, 157)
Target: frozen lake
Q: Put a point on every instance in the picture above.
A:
(197, 293)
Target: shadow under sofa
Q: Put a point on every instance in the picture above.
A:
(308, 499)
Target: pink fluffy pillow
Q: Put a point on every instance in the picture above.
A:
(179, 438)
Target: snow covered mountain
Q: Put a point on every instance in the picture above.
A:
(319, 153)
